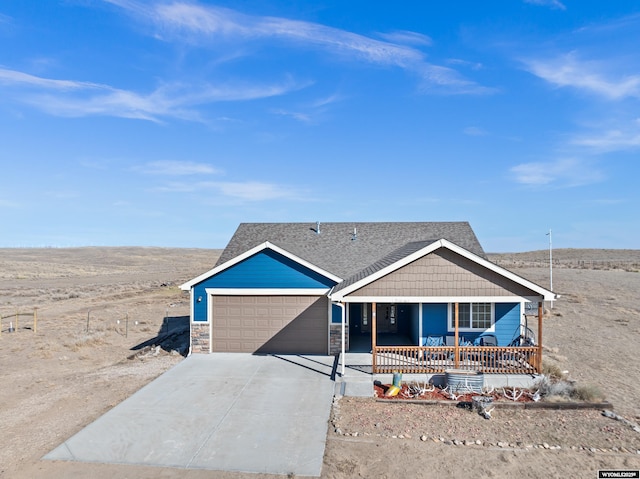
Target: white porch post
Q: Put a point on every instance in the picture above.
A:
(456, 358)
(540, 314)
(374, 335)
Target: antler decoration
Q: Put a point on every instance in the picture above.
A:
(512, 393)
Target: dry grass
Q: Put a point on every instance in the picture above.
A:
(555, 387)
(587, 392)
(552, 370)
(85, 340)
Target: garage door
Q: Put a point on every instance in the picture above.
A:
(270, 324)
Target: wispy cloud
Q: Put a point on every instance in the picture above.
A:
(608, 201)
(13, 77)
(176, 168)
(8, 204)
(443, 79)
(211, 22)
(611, 140)
(5, 19)
(93, 164)
(465, 63)
(407, 38)
(326, 100)
(254, 191)
(63, 194)
(209, 25)
(309, 112)
(555, 4)
(569, 71)
(475, 131)
(250, 191)
(568, 172)
(76, 98)
(296, 115)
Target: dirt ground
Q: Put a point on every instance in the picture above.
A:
(109, 320)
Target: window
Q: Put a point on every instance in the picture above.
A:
(472, 317)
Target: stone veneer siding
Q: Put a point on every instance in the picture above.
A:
(200, 339)
(335, 338)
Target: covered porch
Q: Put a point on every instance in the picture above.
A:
(448, 309)
(429, 359)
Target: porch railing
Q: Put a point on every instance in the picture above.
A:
(437, 359)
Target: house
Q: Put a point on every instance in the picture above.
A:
(300, 288)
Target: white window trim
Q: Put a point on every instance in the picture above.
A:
(451, 327)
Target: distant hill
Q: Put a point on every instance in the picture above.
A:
(627, 259)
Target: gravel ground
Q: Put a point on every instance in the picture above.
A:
(569, 429)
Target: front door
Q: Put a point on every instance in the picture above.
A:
(387, 318)
(387, 315)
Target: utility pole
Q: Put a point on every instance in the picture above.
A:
(550, 265)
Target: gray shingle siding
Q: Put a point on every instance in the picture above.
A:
(334, 249)
(443, 273)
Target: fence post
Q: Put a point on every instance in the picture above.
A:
(126, 326)
(35, 320)
(88, 312)
(17, 313)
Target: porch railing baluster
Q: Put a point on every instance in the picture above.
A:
(437, 359)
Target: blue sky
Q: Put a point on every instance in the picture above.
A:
(132, 122)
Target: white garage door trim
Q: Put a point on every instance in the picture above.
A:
(266, 292)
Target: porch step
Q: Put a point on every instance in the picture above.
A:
(354, 387)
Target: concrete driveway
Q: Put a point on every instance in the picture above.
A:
(231, 412)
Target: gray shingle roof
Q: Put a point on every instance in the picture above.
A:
(388, 260)
(335, 250)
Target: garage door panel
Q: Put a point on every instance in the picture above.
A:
(270, 324)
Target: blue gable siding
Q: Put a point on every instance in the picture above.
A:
(507, 322)
(266, 269)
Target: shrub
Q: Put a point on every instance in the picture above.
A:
(552, 370)
(588, 392)
(553, 389)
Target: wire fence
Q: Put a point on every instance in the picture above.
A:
(630, 266)
(93, 321)
(14, 321)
